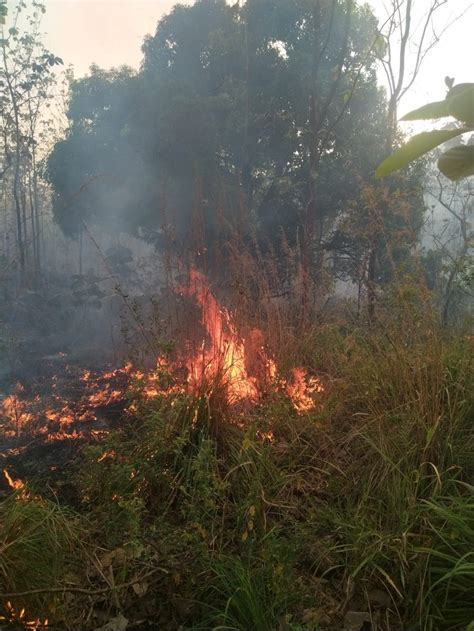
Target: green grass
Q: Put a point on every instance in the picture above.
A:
(365, 504)
(36, 537)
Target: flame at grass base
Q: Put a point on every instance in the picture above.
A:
(222, 359)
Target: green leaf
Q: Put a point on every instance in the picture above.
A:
(458, 89)
(438, 109)
(457, 163)
(380, 46)
(414, 148)
(461, 105)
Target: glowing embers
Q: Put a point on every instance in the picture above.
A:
(68, 405)
(15, 412)
(20, 617)
(82, 403)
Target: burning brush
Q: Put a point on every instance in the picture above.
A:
(79, 403)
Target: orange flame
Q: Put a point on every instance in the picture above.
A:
(243, 367)
(21, 617)
(16, 485)
(15, 411)
(226, 356)
(302, 390)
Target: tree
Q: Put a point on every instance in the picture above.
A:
(27, 81)
(449, 240)
(396, 36)
(269, 111)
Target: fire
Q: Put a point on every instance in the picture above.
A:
(107, 454)
(65, 416)
(16, 485)
(77, 403)
(14, 410)
(104, 396)
(225, 356)
(20, 616)
(69, 402)
(302, 389)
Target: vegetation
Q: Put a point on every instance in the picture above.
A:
(27, 87)
(362, 506)
(455, 163)
(245, 146)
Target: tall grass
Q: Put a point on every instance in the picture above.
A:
(408, 395)
(246, 599)
(38, 539)
(267, 519)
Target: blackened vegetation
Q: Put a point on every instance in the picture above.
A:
(46, 423)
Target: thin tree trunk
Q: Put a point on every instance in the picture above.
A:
(371, 276)
(81, 250)
(16, 197)
(24, 223)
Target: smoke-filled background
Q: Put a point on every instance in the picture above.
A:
(230, 136)
(236, 291)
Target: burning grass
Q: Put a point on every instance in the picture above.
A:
(214, 506)
(66, 406)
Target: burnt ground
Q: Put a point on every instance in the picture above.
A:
(47, 418)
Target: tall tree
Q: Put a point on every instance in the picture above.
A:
(405, 38)
(27, 81)
(265, 117)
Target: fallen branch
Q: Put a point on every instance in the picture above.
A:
(81, 590)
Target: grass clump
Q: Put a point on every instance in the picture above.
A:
(38, 539)
(449, 553)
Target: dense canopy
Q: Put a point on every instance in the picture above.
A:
(235, 110)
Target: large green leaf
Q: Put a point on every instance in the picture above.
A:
(458, 89)
(458, 162)
(461, 105)
(438, 109)
(414, 148)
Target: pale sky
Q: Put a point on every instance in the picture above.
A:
(110, 33)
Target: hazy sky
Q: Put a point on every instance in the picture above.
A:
(110, 33)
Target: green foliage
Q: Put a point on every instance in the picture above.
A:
(27, 89)
(456, 163)
(3, 11)
(247, 598)
(450, 560)
(414, 148)
(364, 505)
(36, 538)
(220, 111)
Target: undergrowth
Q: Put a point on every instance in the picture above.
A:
(356, 515)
